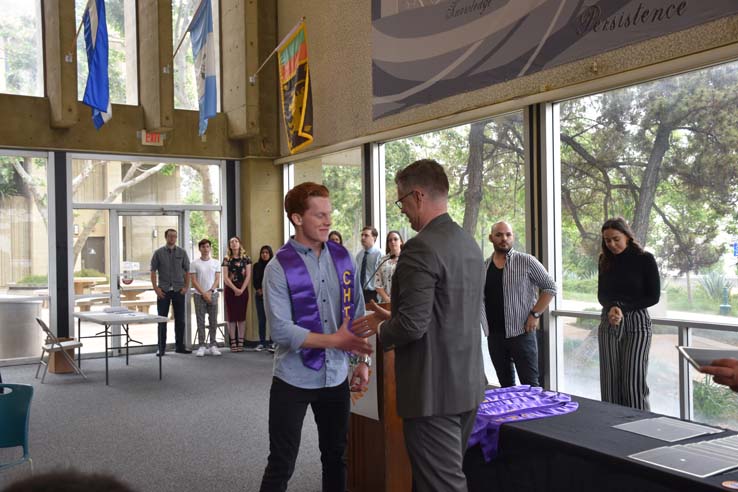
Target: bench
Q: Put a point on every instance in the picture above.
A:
(86, 303)
(139, 305)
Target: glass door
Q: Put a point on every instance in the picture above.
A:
(140, 233)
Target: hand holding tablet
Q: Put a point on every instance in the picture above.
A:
(721, 364)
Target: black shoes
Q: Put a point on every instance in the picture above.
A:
(181, 350)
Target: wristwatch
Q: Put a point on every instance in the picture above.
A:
(535, 314)
(366, 360)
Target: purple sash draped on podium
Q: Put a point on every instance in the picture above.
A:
(514, 404)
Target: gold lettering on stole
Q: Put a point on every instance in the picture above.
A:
(346, 291)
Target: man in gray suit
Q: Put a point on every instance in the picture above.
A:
(434, 327)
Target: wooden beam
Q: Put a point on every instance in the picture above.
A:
(239, 59)
(61, 62)
(156, 90)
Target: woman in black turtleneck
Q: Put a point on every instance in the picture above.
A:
(628, 283)
(265, 256)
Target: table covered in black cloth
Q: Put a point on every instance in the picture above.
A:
(580, 451)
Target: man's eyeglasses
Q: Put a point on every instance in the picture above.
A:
(398, 202)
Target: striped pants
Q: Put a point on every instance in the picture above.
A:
(624, 359)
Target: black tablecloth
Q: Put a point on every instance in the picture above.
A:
(580, 451)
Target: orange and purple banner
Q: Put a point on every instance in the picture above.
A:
(296, 96)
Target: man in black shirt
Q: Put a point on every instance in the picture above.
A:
(512, 306)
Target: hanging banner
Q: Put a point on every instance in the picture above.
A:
(295, 91)
(424, 54)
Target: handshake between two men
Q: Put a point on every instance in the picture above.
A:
(355, 340)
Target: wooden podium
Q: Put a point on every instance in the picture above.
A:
(377, 459)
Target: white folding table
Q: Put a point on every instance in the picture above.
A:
(108, 320)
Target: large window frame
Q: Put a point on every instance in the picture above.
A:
(52, 280)
(543, 236)
(558, 313)
(289, 181)
(38, 88)
(182, 210)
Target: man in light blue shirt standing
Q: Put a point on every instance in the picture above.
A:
(367, 261)
(311, 294)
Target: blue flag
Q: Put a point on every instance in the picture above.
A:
(203, 51)
(97, 91)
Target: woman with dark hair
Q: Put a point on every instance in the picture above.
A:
(265, 256)
(336, 237)
(628, 283)
(236, 277)
(387, 265)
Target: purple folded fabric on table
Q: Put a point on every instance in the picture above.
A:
(514, 404)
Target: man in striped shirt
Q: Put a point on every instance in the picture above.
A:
(513, 308)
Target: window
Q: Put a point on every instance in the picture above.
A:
(21, 48)
(122, 51)
(488, 153)
(185, 86)
(121, 210)
(713, 403)
(663, 155)
(111, 181)
(341, 173)
(24, 253)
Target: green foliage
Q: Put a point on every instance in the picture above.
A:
(714, 403)
(346, 199)
(40, 280)
(199, 230)
(701, 301)
(22, 47)
(661, 154)
(185, 86)
(89, 272)
(714, 284)
(584, 285)
(503, 174)
(8, 178)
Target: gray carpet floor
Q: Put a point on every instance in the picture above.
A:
(202, 428)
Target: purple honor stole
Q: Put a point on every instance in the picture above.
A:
(514, 404)
(305, 311)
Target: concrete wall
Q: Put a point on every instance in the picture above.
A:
(339, 47)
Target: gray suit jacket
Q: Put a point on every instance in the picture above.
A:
(435, 326)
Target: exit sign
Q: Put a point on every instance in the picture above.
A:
(152, 138)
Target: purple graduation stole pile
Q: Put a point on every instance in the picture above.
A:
(514, 404)
(305, 311)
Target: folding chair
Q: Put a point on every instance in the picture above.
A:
(220, 328)
(15, 411)
(54, 345)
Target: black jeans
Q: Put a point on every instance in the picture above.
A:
(261, 314)
(287, 407)
(522, 349)
(176, 298)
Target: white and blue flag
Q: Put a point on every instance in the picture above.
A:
(97, 91)
(203, 51)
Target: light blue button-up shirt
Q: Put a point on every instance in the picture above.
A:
(289, 336)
